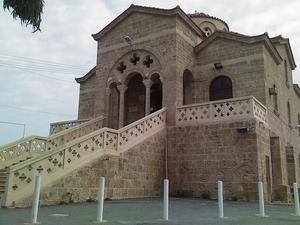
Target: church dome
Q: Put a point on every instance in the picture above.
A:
(207, 23)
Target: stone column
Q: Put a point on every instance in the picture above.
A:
(122, 88)
(107, 106)
(147, 84)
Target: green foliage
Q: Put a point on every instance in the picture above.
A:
(29, 11)
(234, 198)
(205, 195)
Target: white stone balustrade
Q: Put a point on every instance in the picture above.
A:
(141, 129)
(34, 145)
(60, 126)
(227, 109)
(76, 153)
(23, 148)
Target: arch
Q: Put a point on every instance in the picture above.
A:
(208, 24)
(127, 77)
(220, 88)
(139, 67)
(113, 105)
(111, 81)
(134, 98)
(155, 73)
(188, 87)
(156, 93)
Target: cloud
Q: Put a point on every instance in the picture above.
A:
(66, 39)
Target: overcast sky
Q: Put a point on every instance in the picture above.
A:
(37, 70)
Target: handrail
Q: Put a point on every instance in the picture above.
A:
(15, 143)
(64, 125)
(69, 121)
(141, 120)
(40, 144)
(221, 110)
(75, 127)
(217, 102)
(22, 140)
(67, 145)
(258, 102)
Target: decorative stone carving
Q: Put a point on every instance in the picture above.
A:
(221, 110)
(148, 61)
(134, 59)
(22, 150)
(122, 67)
(98, 143)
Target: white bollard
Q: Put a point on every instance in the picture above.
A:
(100, 199)
(166, 199)
(296, 199)
(36, 198)
(261, 199)
(220, 199)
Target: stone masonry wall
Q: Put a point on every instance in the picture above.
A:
(87, 99)
(136, 173)
(281, 128)
(242, 63)
(155, 34)
(201, 155)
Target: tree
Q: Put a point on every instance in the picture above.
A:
(28, 11)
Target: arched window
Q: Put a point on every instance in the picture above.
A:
(134, 99)
(156, 93)
(208, 31)
(220, 88)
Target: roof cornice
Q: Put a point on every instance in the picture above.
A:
(150, 10)
(286, 42)
(297, 89)
(203, 15)
(91, 73)
(242, 38)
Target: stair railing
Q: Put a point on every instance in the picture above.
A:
(31, 146)
(76, 153)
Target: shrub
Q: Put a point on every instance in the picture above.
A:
(205, 195)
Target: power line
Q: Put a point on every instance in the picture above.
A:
(37, 111)
(39, 61)
(40, 68)
(37, 74)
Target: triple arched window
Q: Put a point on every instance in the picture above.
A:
(220, 88)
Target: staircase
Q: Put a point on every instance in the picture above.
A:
(3, 181)
(36, 146)
(18, 179)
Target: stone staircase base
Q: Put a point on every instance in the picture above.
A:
(134, 174)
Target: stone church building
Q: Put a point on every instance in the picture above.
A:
(177, 95)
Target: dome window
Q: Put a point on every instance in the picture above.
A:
(207, 31)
